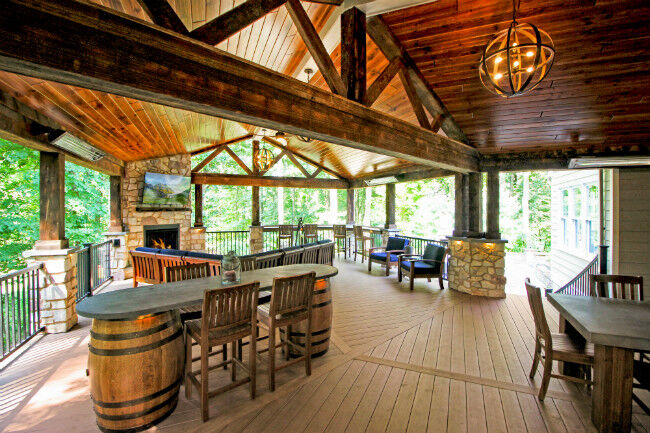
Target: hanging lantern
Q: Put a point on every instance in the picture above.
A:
(517, 59)
(263, 159)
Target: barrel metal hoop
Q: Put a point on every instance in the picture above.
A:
(146, 398)
(302, 334)
(313, 343)
(322, 304)
(137, 414)
(148, 315)
(134, 350)
(131, 335)
(320, 292)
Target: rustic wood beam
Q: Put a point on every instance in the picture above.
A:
(52, 201)
(238, 160)
(350, 206)
(382, 81)
(297, 164)
(403, 176)
(308, 160)
(390, 206)
(492, 217)
(115, 224)
(353, 53)
(326, 2)
(256, 219)
(65, 41)
(315, 173)
(234, 20)
(414, 99)
(276, 159)
(460, 199)
(315, 46)
(266, 181)
(391, 47)
(208, 159)
(198, 205)
(233, 140)
(162, 14)
(475, 197)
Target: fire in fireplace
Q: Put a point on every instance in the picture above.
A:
(164, 236)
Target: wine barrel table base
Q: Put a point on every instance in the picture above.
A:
(321, 323)
(136, 369)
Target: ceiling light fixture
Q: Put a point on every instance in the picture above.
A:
(529, 54)
(381, 180)
(609, 161)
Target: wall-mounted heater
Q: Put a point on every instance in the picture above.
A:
(75, 145)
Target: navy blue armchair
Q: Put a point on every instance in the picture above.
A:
(388, 255)
(428, 265)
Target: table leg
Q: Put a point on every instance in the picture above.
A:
(611, 409)
(570, 368)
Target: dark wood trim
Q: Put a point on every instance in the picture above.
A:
(162, 14)
(52, 197)
(459, 204)
(353, 53)
(391, 47)
(308, 160)
(116, 204)
(65, 41)
(238, 160)
(403, 175)
(414, 99)
(390, 206)
(234, 20)
(276, 159)
(312, 40)
(382, 81)
(326, 2)
(350, 206)
(475, 203)
(208, 159)
(198, 205)
(492, 217)
(222, 143)
(267, 181)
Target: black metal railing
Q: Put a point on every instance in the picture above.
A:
(93, 268)
(419, 244)
(20, 308)
(223, 241)
(579, 285)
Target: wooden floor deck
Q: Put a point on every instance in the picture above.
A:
(401, 361)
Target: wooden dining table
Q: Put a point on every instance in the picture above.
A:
(617, 328)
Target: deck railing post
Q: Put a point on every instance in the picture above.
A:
(602, 259)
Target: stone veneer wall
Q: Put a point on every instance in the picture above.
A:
(477, 267)
(134, 220)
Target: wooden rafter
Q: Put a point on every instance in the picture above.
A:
(353, 53)
(316, 172)
(315, 46)
(238, 160)
(208, 158)
(297, 164)
(392, 49)
(161, 13)
(222, 143)
(65, 41)
(414, 99)
(276, 159)
(266, 181)
(234, 20)
(303, 157)
(382, 81)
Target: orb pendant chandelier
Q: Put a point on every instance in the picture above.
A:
(263, 159)
(517, 59)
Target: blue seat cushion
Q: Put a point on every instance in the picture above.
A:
(199, 255)
(382, 257)
(148, 250)
(422, 267)
(396, 243)
(324, 241)
(297, 247)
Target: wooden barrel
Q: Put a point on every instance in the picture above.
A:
(321, 326)
(135, 369)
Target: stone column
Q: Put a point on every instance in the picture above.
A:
(493, 205)
(256, 240)
(475, 204)
(197, 239)
(390, 206)
(350, 206)
(120, 261)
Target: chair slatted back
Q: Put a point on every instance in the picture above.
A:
(166, 261)
(268, 261)
(285, 230)
(229, 307)
(214, 264)
(248, 263)
(539, 317)
(187, 271)
(310, 254)
(310, 230)
(340, 230)
(616, 286)
(326, 254)
(292, 294)
(292, 257)
(146, 267)
(358, 232)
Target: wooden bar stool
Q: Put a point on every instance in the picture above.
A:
(188, 272)
(310, 232)
(285, 231)
(291, 299)
(229, 314)
(360, 240)
(341, 233)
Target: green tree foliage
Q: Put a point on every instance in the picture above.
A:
(87, 195)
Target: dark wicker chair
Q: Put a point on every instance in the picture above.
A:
(388, 255)
(428, 265)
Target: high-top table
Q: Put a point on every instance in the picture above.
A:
(136, 350)
(617, 328)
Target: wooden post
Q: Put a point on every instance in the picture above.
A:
(116, 204)
(460, 225)
(198, 205)
(353, 53)
(493, 205)
(475, 203)
(255, 197)
(350, 208)
(52, 201)
(390, 206)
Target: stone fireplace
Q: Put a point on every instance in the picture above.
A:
(162, 236)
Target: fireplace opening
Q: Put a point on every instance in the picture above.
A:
(164, 236)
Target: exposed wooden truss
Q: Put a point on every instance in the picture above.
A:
(68, 45)
(267, 181)
(222, 143)
(382, 81)
(161, 13)
(308, 160)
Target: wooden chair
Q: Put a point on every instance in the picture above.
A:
(268, 261)
(310, 254)
(184, 272)
(248, 263)
(428, 265)
(214, 264)
(228, 315)
(340, 233)
(388, 255)
(291, 303)
(165, 261)
(326, 254)
(292, 257)
(310, 232)
(285, 231)
(146, 268)
(556, 347)
(616, 286)
(360, 240)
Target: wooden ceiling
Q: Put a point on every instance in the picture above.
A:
(596, 95)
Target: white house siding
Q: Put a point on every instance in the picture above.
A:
(565, 261)
(632, 209)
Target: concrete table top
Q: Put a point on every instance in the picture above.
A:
(135, 302)
(608, 322)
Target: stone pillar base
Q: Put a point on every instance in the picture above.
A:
(119, 254)
(197, 236)
(386, 233)
(58, 287)
(256, 239)
(477, 266)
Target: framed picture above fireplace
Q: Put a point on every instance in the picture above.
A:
(166, 192)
